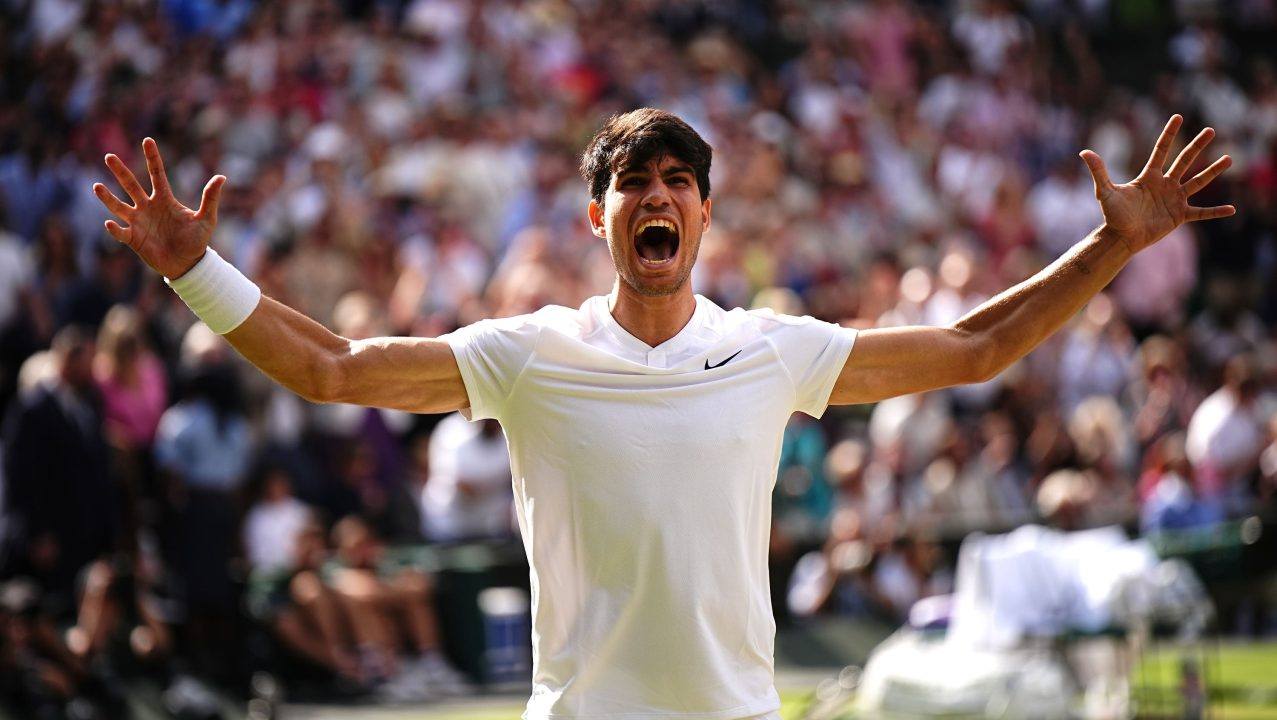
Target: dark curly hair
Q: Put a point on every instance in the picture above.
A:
(636, 137)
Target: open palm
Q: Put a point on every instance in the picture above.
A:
(166, 234)
(1147, 208)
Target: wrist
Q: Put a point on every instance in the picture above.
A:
(1107, 235)
(216, 292)
(182, 269)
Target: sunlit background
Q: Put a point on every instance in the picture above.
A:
(181, 538)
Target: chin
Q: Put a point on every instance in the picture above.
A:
(656, 287)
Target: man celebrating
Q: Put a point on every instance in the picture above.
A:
(645, 427)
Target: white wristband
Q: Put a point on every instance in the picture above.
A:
(217, 293)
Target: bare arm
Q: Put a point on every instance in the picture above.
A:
(888, 362)
(414, 374)
(404, 373)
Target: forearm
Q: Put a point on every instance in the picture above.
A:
(1009, 326)
(292, 349)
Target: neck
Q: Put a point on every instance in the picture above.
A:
(652, 319)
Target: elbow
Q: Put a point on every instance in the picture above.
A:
(985, 359)
(325, 380)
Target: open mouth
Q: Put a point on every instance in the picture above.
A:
(656, 241)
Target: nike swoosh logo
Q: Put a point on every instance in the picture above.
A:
(711, 367)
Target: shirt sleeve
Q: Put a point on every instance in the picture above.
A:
(491, 354)
(813, 352)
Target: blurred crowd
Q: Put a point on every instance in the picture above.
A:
(409, 166)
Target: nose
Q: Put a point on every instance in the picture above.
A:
(657, 195)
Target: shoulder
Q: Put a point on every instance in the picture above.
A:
(38, 400)
(182, 417)
(1217, 403)
(793, 328)
(768, 319)
(727, 323)
(529, 325)
(33, 408)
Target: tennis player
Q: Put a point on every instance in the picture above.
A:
(645, 426)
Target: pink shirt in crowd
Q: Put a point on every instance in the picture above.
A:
(132, 411)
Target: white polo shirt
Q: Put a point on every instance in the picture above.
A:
(642, 480)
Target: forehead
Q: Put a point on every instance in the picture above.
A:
(662, 164)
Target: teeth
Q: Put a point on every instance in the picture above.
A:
(658, 222)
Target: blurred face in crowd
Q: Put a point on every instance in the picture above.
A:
(356, 544)
(77, 365)
(652, 217)
(278, 487)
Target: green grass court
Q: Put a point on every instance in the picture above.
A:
(1244, 687)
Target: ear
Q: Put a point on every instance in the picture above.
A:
(706, 206)
(597, 226)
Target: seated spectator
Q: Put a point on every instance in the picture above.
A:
(286, 550)
(1268, 466)
(386, 607)
(1064, 498)
(908, 572)
(1225, 437)
(837, 578)
(468, 494)
(1105, 450)
(119, 618)
(39, 676)
(1171, 500)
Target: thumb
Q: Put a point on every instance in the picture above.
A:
(1099, 173)
(210, 198)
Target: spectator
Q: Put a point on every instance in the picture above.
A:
(1062, 207)
(286, 549)
(385, 607)
(1152, 290)
(131, 381)
(468, 494)
(203, 445)
(61, 508)
(118, 608)
(134, 390)
(837, 577)
(1172, 502)
(38, 675)
(1225, 436)
(1096, 357)
(367, 443)
(17, 273)
(908, 572)
(1162, 397)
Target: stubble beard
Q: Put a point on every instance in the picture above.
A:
(647, 289)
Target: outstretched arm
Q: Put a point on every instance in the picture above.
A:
(897, 361)
(413, 374)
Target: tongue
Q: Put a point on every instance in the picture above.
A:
(656, 246)
(657, 249)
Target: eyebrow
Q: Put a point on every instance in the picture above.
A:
(671, 170)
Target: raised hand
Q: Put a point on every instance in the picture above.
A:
(1145, 209)
(166, 234)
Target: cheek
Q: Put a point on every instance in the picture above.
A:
(615, 218)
